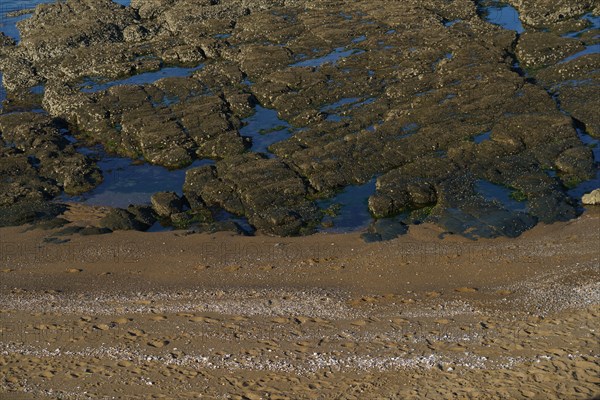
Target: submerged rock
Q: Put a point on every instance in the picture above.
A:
(462, 210)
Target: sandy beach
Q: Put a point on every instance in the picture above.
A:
(170, 315)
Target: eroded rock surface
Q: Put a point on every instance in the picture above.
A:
(37, 163)
(400, 90)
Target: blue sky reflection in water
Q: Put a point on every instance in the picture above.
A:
(93, 85)
(500, 194)
(265, 128)
(591, 49)
(353, 211)
(126, 182)
(594, 23)
(8, 25)
(503, 15)
(333, 57)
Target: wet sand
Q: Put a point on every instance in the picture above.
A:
(170, 315)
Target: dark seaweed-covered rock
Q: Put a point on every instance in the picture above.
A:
(219, 226)
(270, 194)
(6, 40)
(26, 212)
(121, 220)
(577, 162)
(461, 210)
(55, 30)
(183, 220)
(94, 230)
(38, 137)
(399, 95)
(384, 229)
(50, 224)
(396, 194)
(144, 214)
(544, 13)
(166, 204)
(19, 181)
(539, 49)
(196, 179)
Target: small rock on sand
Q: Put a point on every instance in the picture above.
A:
(592, 198)
(466, 290)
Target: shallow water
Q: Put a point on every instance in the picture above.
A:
(591, 49)
(503, 15)
(448, 24)
(500, 194)
(342, 105)
(585, 187)
(409, 130)
(482, 137)
(92, 85)
(128, 183)
(265, 128)
(594, 24)
(333, 57)
(353, 213)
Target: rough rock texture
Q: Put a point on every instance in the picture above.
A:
(27, 212)
(270, 194)
(540, 49)
(592, 198)
(36, 164)
(398, 90)
(122, 220)
(544, 13)
(38, 138)
(166, 204)
(144, 214)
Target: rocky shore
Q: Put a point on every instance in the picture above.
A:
(454, 144)
(431, 98)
